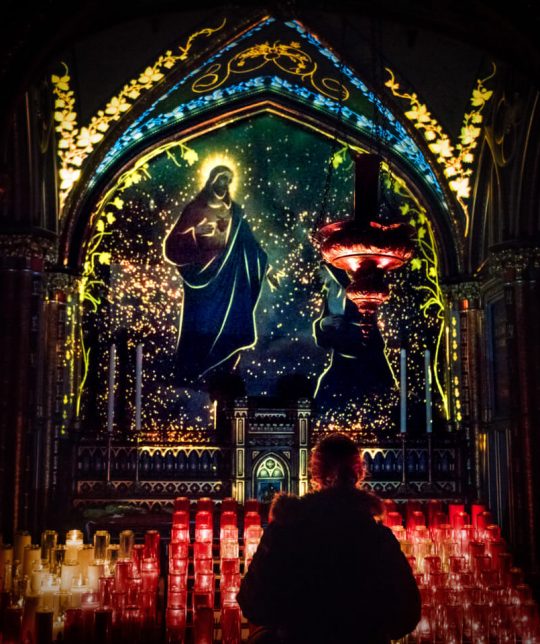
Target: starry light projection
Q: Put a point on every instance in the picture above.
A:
(281, 173)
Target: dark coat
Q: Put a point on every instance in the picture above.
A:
(326, 572)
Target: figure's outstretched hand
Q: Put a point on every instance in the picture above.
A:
(274, 278)
(205, 228)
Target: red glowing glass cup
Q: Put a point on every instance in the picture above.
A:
(177, 599)
(231, 628)
(230, 581)
(204, 566)
(118, 603)
(457, 564)
(251, 505)
(181, 504)
(203, 626)
(178, 550)
(73, 626)
(180, 534)
(204, 582)
(228, 518)
(177, 581)
(229, 505)
(180, 518)
(228, 595)
(106, 587)
(150, 580)
(202, 599)
(476, 509)
(454, 508)
(122, 572)
(151, 544)
(493, 533)
(202, 550)
(137, 555)
(483, 519)
(102, 625)
(175, 620)
(432, 564)
(204, 534)
(230, 566)
(134, 588)
(459, 519)
(393, 518)
(203, 519)
(205, 504)
(178, 566)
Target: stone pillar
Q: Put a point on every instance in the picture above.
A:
(21, 381)
(302, 437)
(516, 271)
(466, 332)
(240, 416)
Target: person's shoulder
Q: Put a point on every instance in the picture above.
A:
(284, 508)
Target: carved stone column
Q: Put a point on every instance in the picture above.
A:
(60, 367)
(464, 299)
(21, 413)
(517, 271)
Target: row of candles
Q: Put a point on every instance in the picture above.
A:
(470, 590)
(205, 587)
(102, 590)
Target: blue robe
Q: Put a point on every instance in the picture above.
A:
(220, 298)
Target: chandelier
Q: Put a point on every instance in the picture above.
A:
(364, 247)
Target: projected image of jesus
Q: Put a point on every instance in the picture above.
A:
(223, 268)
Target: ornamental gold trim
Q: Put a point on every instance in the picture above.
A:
(291, 59)
(75, 143)
(456, 159)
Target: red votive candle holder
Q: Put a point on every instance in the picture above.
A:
(251, 505)
(229, 580)
(231, 628)
(476, 549)
(122, 572)
(459, 519)
(73, 626)
(204, 625)
(118, 605)
(434, 506)
(202, 599)
(483, 519)
(150, 580)
(205, 504)
(177, 581)
(493, 532)
(132, 624)
(175, 620)
(205, 566)
(229, 505)
(228, 595)
(181, 504)
(204, 534)
(177, 599)
(180, 534)
(476, 509)
(457, 564)
(178, 566)
(137, 555)
(151, 544)
(432, 564)
(230, 566)
(133, 587)
(228, 518)
(202, 550)
(105, 588)
(516, 576)
(103, 625)
(180, 518)
(178, 550)
(393, 518)
(454, 508)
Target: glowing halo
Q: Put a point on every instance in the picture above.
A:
(218, 159)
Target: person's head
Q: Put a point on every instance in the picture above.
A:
(336, 461)
(219, 181)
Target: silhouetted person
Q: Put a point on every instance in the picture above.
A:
(326, 572)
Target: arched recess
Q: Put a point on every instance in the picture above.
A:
(169, 118)
(271, 475)
(311, 100)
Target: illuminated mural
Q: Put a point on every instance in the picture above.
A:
(203, 253)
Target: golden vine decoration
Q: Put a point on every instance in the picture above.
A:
(290, 59)
(428, 261)
(456, 160)
(102, 219)
(76, 143)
